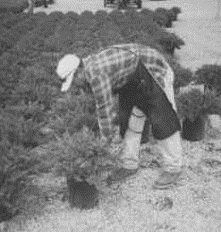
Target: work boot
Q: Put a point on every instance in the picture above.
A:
(120, 174)
(167, 180)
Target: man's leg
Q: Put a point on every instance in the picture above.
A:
(129, 158)
(159, 105)
(171, 147)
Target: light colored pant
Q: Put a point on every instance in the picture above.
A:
(171, 147)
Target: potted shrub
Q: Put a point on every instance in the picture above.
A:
(86, 164)
(164, 16)
(170, 42)
(194, 106)
(175, 10)
(210, 76)
(183, 76)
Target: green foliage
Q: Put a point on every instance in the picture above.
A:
(189, 104)
(176, 11)
(17, 165)
(73, 15)
(11, 36)
(17, 18)
(192, 103)
(81, 154)
(210, 75)
(72, 112)
(183, 76)
(161, 16)
(35, 39)
(15, 6)
(101, 16)
(34, 85)
(170, 42)
(19, 131)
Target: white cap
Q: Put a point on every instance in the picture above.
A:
(66, 68)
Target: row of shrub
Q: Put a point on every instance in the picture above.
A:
(14, 6)
(10, 36)
(143, 26)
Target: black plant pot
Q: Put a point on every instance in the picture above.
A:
(194, 131)
(81, 194)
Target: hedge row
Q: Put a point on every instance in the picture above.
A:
(10, 37)
(14, 6)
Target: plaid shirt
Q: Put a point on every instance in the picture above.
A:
(108, 69)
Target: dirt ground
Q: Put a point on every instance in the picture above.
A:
(193, 207)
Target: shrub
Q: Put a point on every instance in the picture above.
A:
(176, 11)
(10, 77)
(101, 16)
(192, 103)
(72, 113)
(63, 35)
(10, 37)
(35, 39)
(171, 15)
(170, 42)
(118, 17)
(210, 75)
(15, 6)
(16, 19)
(110, 34)
(182, 77)
(87, 14)
(16, 166)
(81, 154)
(21, 132)
(73, 15)
(147, 12)
(163, 17)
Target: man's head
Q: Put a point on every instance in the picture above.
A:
(68, 69)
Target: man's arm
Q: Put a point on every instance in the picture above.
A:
(102, 91)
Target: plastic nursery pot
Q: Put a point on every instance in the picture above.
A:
(81, 194)
(194, 131)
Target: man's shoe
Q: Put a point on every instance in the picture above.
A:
(120, 174)
(167, 180)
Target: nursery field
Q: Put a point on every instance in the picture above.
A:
(42, 130)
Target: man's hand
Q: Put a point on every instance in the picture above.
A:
(106, 141)
(111, 140)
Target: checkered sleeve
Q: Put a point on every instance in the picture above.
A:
(102, 90)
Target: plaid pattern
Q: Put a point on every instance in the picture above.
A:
(108, 69)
